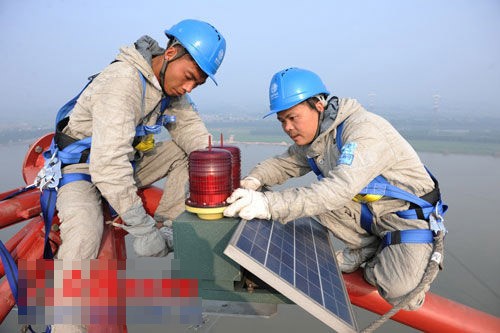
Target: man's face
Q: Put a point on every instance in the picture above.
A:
(182, 76)
(300, 123)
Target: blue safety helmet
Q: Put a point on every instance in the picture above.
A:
(292, 86)
(203, 42)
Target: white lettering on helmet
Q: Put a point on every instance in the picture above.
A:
(273, 91)
(218, 60)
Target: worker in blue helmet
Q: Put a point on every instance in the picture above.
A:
(373, 192)
(105, 147)
(105, 143)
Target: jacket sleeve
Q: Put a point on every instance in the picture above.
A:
(188, 132)
(371, 156)
(115, 101)
(278, 169)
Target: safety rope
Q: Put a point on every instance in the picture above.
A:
(430, 274)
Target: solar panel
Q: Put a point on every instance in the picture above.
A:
(298, 260)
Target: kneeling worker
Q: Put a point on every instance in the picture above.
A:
(373, 192)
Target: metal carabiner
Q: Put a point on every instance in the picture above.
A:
(436, 221)
(50, 174)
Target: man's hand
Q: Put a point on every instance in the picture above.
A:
(250, 183)
(248, 204)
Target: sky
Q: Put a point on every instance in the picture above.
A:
(390, 55)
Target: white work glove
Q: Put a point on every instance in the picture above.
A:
(148, 240)
(248, 204)
(349, 260)
(250, 183)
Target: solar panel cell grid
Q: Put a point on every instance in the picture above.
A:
(300, 255)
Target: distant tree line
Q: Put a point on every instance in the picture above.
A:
(19, 135)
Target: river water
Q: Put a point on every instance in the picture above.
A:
(472, 259)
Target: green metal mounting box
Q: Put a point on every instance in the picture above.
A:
(199, 246)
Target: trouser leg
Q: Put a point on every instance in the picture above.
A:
(167, 160)
(349, 259)
(80, 212)
(397, 270)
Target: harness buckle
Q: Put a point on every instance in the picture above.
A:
(50, 174)
(436, 221)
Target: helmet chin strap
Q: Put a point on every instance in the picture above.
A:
(180, 52)
(162, 75)
(321, 115)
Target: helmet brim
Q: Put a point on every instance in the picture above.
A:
(271, 113)
(188, 50)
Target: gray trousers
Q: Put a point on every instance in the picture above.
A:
(397, 270)
(79, 203)
(80, 208)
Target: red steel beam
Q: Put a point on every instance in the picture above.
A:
(19, 208)
(438, 314)
(25, 233)
(30, 248)
(27, 205)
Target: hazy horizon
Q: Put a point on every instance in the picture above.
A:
(390, 55)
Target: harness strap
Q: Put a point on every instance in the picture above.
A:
(366, 218)
(415, 236)
(10, 269)
(78, 151)
(66, 108)
(73, 177)
(314, 168)
(72, 153)
(338, 136)
(12, 273)
(16, 193)
(48, 200)
(162, 120)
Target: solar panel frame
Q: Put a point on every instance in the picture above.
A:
(257, 244)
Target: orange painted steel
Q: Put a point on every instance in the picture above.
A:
(150, 198)
(112, 247)
(33, 160)
(29, 248)
(438, 314)
(28, 233)
(19, 208)
(7, 301)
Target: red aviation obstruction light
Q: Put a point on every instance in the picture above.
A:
(209, 182)
(235, 161)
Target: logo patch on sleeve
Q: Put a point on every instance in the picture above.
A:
(347, 153)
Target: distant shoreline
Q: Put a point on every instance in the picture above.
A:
(421, 146)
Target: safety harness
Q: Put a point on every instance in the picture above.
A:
(428, 207)
(65, 150)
